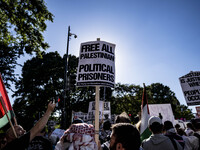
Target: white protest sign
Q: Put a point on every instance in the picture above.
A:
(96, 64)
(58, 133)
(80, 115)
(104, 110)
(164, 110)
(190, 84)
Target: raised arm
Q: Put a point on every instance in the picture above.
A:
(42, 122)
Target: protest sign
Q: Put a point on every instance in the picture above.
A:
(104, 110)
(96, 64)
(58, 133)
(190, 84)
(80, 115)
(163, 111)
(198, 111)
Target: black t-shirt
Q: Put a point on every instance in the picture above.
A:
(40, 143)
(20, 143)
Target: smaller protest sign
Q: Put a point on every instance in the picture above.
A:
(190, 84)
(164, 111)
(58, 133)
(198, 111)
(104, 110)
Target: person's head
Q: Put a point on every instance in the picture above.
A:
(177, 126)
(168, 125)
(106, 125)
(155, 125)
(124, 136)
(123, 118)
(181, 132)
(3, 140)
(196, 124)
(189, 125)
(78, 120)
(10, 134)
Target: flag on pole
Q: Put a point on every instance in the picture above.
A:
(4, 103)
(144, 130)
(58, 99)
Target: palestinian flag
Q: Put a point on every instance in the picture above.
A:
(144, 130)
(5, 106)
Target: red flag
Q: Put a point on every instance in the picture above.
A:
(6, 102)
(58, 99)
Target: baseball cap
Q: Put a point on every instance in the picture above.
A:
(153, 119)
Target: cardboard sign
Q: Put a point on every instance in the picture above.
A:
(190, 84)
(162, 110)
(104, 110)
(96, 64)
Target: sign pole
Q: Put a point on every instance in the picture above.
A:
(97, 114)
(106, 59)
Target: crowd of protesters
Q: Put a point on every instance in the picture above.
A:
(120, 135)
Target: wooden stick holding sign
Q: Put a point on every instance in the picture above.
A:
(97, 114)
(96, 70)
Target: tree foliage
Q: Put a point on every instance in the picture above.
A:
(42, 80)
(128, 98)
(183, 112)
(21, 25)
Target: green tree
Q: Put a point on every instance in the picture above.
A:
(41, 81)
(21, 25)
(126, 98)
(183, 111)
(160, 94)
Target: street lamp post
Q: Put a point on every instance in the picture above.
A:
(66, 81)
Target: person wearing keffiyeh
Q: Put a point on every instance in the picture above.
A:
(78, 137)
